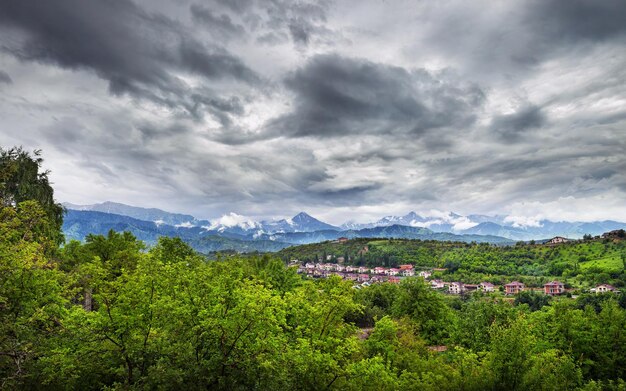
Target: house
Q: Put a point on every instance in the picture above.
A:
(426, 274)
(603, 288)
(364, 277)
(557, 240)
(470, 287)
(342, 239)
(408, 272)
(340, 268)
(351, 277)
(309, 265)
(394, 280)
(437, 284)
(379, 270)
(513, 288)
(351, 268)
(553, 288)
(393, 272)
(340, 259)
(376, 279)
(456, 288)
(406, 267)
(363, 269)
(486, 287)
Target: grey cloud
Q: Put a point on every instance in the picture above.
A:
(300, 32)
(5, 78)
(236, 5)
(215, 65)
(271, 20)
(138, 53)
(337, 96)
(512, 39)
(220, 26)
(511, 127)
(573, 20)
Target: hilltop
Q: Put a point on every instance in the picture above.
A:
(591, 261)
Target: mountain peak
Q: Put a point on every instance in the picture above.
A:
(303, 216)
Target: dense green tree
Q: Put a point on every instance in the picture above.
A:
(534, 300)
(22, 179)
(31, 302)
(424, 306)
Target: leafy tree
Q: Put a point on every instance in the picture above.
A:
(21, 179)
(31, 302)
(423, 305)
(534, 300)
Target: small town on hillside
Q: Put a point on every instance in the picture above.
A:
(364, 276)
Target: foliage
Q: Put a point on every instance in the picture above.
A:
(21, 179)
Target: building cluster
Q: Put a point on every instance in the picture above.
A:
(359, 273)
(458, 288)
(364, 274)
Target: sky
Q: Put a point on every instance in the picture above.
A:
(347, 109)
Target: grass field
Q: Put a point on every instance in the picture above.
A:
(608, 264)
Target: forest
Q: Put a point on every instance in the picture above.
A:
(111, 313)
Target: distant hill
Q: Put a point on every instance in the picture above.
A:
(145, 214)
(80, 223)
(304, 228)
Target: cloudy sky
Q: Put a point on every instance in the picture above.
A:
(347, 109)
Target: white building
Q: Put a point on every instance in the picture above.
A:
(456, 288)
(425, 274)
(437, 284)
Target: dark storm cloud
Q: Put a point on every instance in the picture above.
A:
(573, 20)
(221, 26)
(137, 52)
(5, 78)
(215, 65)
(270, 20)
(512, 39)
(338, 96)
(511, 127)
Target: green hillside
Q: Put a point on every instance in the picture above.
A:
(581, 263)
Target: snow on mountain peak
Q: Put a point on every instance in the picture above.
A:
(523, 221)
(233, 220)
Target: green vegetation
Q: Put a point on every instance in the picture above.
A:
(581, 264)
(111, 314)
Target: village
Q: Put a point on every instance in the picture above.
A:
(364, 276)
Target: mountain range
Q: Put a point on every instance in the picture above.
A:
(236, 232)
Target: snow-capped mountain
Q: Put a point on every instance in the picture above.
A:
(234, 223)
(302, 222)
(237, 226)
(434, 220)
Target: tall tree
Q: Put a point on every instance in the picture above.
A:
(22, 179)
